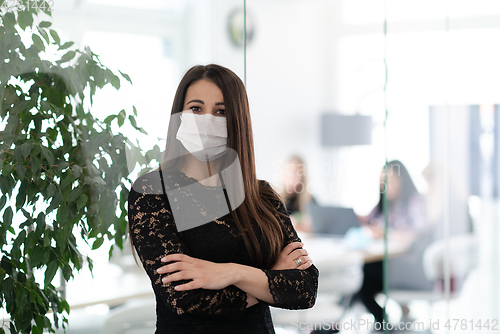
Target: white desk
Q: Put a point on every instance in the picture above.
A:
(325, 248)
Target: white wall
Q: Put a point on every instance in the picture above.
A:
(315, 56)
(290, 78)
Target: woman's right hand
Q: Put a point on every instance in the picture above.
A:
(289, 254)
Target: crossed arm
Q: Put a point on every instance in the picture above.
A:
(221, 290)
(216, 276)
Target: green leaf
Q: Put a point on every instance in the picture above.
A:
(67, 57)
(82, 201)
(51, 190)
(109, 119)
(93, 210)
(25, 19)
(97, 243)
(67, 272)
(16, 246)
(135, 110)
(75, 194)
(47, 239)
(9, 20)
(50, 272)
(67, 180)
(40, 221)
(62, 165)
(12, 327)
(48, 155)
(62, 216)
(77, 170)
(121, 117)
(126, 76)
(45, 24)
(114, 80)
(38, 42)
(3, 200)
(110, 253)
(20, 171)
(21, 297)
(18, 154)
(44, 34)
(35, 165)
(21, 195)
(35, 258)
(132, 121)
(26, 149)
(7, 217)
(27, 215)
(90, 263)
(56, 201)
(37, 329)
(6, 264)
(55, 36)
(66, 45)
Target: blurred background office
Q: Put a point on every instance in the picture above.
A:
(309, 66)
(295, 193)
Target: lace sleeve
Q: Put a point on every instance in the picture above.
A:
(292, 289)
(155, 235)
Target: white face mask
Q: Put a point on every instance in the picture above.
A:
(204, 136)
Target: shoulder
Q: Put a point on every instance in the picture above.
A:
(267, 191)
(272, 197)
(147, 189)
(417, 201)
(265, 184)
(148, 184)
(146, 197)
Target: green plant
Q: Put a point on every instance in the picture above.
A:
(62, 171)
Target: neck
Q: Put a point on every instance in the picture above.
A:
(204, 171)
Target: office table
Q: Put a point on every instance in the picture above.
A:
(323, 248)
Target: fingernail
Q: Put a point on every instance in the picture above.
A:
(164, 259)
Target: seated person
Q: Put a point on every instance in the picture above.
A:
(406, 215)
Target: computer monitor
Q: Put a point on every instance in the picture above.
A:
(332, 219)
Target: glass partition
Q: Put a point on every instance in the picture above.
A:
(413, 210)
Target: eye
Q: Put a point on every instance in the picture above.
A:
(195, 108)
(221, 112)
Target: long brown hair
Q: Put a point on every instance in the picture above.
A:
(256, 206)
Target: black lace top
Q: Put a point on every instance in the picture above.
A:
(154, 235)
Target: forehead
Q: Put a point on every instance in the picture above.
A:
(204, 90)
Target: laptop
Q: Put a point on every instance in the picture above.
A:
(332, 219)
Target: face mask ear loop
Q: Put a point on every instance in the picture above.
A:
(209, 170)
(224, 189)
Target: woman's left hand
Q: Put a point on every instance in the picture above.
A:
(289, 254)
(204, 274)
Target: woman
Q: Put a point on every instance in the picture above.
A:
(405, 204)
(406, 216)
(295, 193)
(221, 274)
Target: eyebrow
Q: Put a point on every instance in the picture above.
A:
(200, 101)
